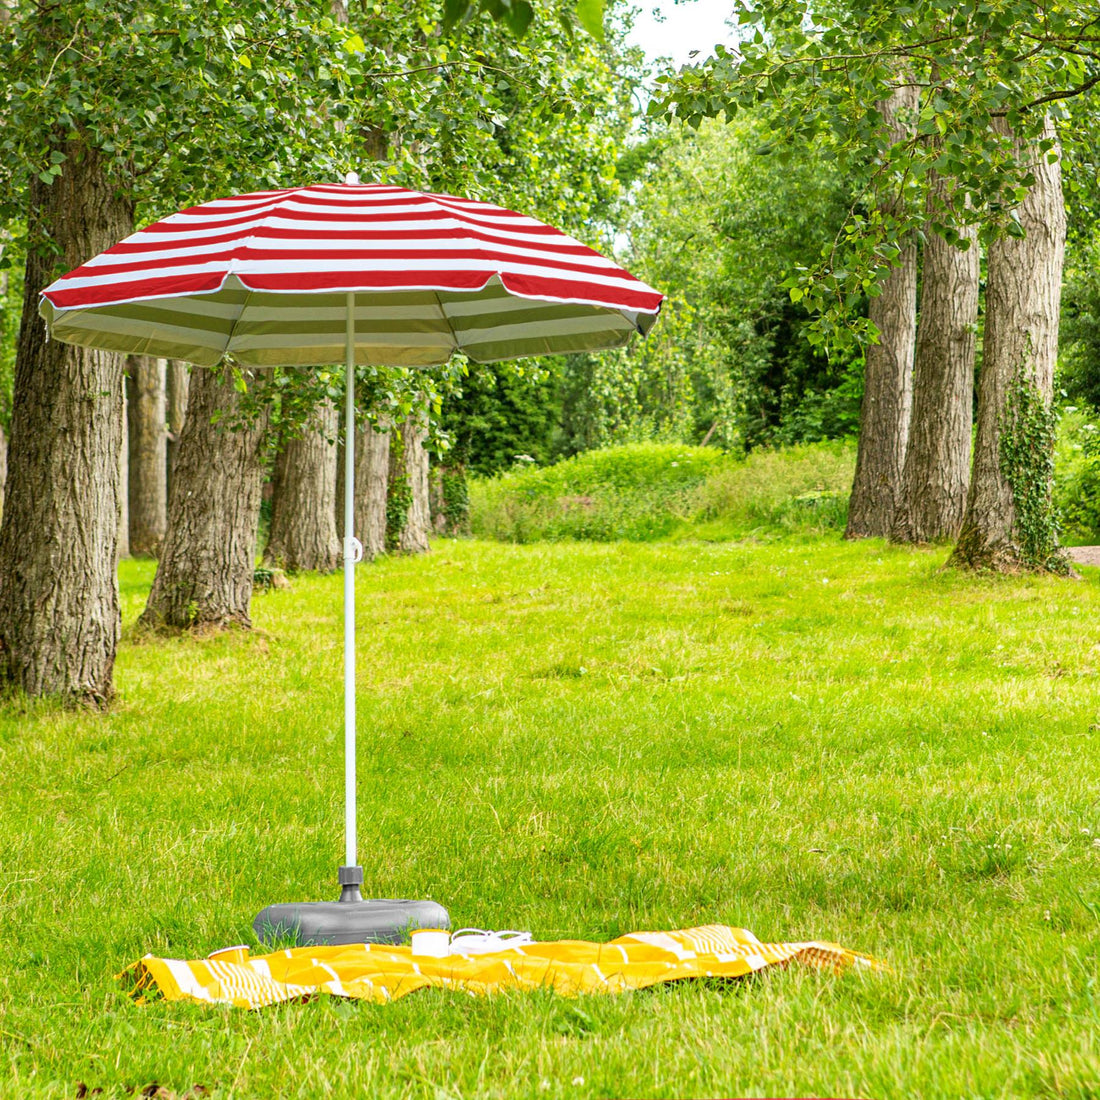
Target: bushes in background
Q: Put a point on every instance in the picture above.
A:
(646, 491)
(1077, 477)
(800, 488)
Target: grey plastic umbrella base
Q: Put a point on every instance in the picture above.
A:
(349, 920)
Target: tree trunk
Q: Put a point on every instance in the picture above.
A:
(418, 519)
(438, 501)
(177, 380)
(372, 478)
(4, 237)
(124, 475)
(204, 577)
(3, 468)
(450, 500)
(888, 374)
(148, 453)
(338, 501)
(937, 466)
(1009, 523)
(303, 526)
(59, 608)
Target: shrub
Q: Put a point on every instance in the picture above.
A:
(641, 492)
(804, 487)
(1077, 477)
(631, 466)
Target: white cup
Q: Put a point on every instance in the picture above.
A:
(431, 942)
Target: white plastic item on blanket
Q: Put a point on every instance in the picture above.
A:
(476, 941)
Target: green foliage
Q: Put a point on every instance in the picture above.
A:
(641, 492)
(188, 103)
(633, 466)
(500, 411)
(179, 101)
(455, 492)
(183, 104)
(784, 490)
(718, 225)
(265, 578)
(636, 491)
(399, 494)
(1077, 476)
(11, 307)
(821, 68)
(1026, 438)
(518, 14)
(1079, 332)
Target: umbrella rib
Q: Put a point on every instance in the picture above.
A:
(447, 321)
(244, 306)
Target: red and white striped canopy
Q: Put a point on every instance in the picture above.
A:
(265, 277)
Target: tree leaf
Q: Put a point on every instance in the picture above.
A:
(590, 14)
(453, 11)
(520, 16)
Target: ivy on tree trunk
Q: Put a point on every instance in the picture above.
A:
(1009, 523)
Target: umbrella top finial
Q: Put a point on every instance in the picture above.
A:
(352, 179)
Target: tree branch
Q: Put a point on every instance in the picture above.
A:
(1050, 97)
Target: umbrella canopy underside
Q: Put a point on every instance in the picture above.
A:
(397, 328)
(265, 278)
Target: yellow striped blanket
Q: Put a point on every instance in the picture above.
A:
(380, 973)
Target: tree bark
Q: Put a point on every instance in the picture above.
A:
(177, 380)
(59, 607)
(148, 453)
(450, 500)
(372, 478)
(303, 525)
(124, 475)
(4, 237)
(418, 520)
(1023, 291)
(438, 500)
(3, 468)
(937, 465)
(204, 577)
(888, 372)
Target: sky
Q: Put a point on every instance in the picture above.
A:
(692, 25)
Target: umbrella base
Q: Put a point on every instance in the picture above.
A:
(349, 920)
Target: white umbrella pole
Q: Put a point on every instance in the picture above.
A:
(350, 557)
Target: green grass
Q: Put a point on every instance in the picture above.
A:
(648, 491)
(807, 738)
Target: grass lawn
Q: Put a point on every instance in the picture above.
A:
(806, 738)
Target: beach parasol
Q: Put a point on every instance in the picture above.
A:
(363, 274)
